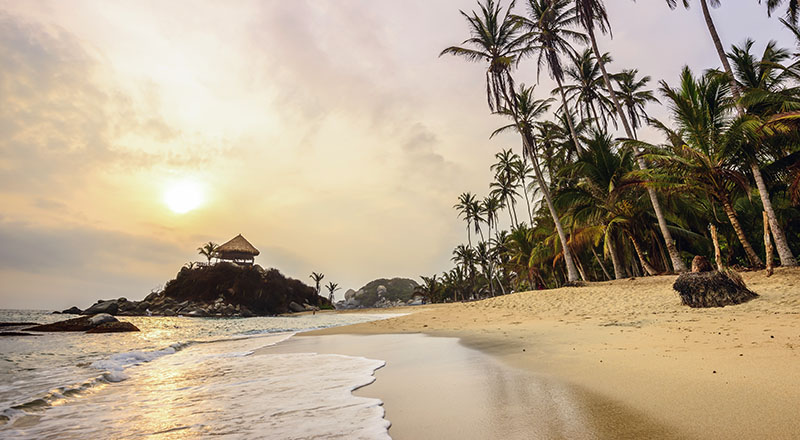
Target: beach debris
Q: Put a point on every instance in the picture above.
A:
(104, 322)
(701, 264)
(712, 289)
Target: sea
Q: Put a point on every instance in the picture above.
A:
(182, 378)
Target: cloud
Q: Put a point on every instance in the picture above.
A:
(80, 264)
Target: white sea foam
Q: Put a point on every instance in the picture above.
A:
(62, 386)
(207, 391)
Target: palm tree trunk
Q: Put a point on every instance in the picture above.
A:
(600, 262)
(581, 270)
(619, 271)
(528, 141)
(748, 249)
(525, 192)
(645, 265)
(785, 254)
(677, 262)
(572, 131)
(767, 245)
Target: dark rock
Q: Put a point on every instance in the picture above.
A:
(114, 327)
(294, 307)
(72, 311)
(701, 264)
(82, 324)
(16, 334)
(111, 307)
(102, 318)
(17, 324)
(712, 289)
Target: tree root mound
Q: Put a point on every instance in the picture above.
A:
(712, 289)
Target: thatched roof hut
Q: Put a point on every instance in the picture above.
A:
(238, 250)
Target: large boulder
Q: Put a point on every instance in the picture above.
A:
(294, 307)
(90, 324)
(111, 307)
(72, 311)
(712, 289)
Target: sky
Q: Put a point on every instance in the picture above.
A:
(329, 133)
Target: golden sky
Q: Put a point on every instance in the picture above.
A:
(328, 133)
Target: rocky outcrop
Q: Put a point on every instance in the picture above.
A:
(381, 293)
(110, 307)
(221, 290)
(105, 322)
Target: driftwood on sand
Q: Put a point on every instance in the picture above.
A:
(712, 289)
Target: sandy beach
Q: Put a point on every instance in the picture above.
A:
(628, 346)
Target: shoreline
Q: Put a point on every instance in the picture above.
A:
(706, 373)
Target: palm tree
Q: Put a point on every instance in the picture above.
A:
(430, 287)
(601, 198)
(317, 277)
(490, 206)
(547, 34)
(584, 90)
(332, 288)
(591, 14)
(505, 184)
(792, 8)
(466, 206)
(736, 91)
(524, 170)
(208, 250)
(634, 96)
(493, 39)
(697, 159)
(524, 112)
(764, 96)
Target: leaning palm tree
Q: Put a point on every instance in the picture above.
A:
(524, 111)
(494, 39)
(763, 82)
(736, 91)
(317, 277)
(548, 33)
(592, 14)
(697, 159)
(208, 250)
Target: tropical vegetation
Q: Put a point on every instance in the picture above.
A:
(586, 198)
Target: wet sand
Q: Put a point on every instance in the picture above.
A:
(437, 388)
(721, 373)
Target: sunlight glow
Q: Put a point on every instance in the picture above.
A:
(184, 195)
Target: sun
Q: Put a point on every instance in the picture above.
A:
(184, 195)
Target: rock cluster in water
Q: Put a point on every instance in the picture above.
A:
(381, 293)
(219, 290)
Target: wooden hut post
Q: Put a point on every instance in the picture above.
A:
(767, 244)
(717, 253)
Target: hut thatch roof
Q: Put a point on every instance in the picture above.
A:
(238, 245)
